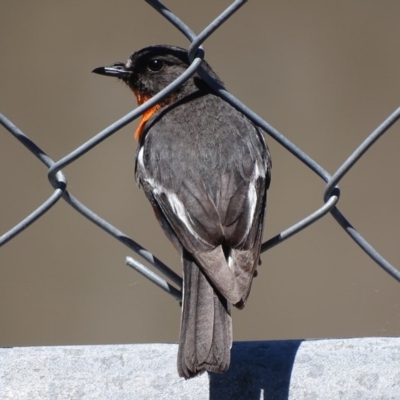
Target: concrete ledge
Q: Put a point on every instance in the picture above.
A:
(367, 368)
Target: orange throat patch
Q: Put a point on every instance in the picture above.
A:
(146, 115)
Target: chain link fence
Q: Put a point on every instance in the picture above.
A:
(330, 196)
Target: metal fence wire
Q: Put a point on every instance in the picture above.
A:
(196, 54)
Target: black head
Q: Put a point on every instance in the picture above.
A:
(151, 69)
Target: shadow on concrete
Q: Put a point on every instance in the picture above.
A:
(259, 370)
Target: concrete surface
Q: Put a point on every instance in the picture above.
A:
(365, 368)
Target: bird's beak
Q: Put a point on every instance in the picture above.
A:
(117, 70)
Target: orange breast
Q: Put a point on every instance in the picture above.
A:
(146, 116)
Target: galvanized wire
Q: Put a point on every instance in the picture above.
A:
(331, 193)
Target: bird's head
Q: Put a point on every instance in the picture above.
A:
(151, 69)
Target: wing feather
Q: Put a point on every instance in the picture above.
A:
(212, 200)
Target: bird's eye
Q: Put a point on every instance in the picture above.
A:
(155, 65)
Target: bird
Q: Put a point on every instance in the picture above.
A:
(205, 169)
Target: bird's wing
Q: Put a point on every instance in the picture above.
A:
(220, 228)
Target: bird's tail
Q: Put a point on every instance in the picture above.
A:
(206, 325)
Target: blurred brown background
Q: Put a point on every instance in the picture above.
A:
(324, 73)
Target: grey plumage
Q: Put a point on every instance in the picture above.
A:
(205, 169)
(198, 173)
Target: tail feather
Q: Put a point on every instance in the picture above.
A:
(206, 327)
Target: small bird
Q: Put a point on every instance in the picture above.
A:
(205, 169)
